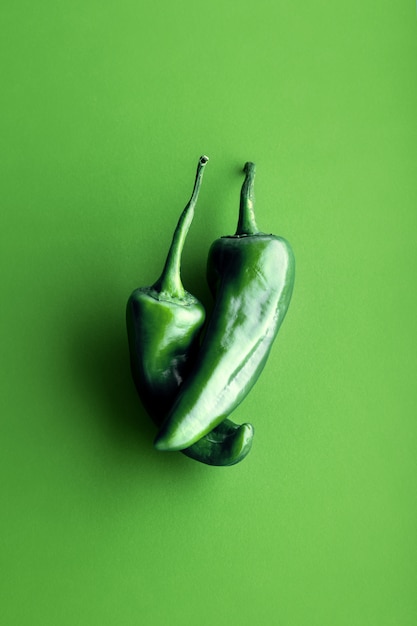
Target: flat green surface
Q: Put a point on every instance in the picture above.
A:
(105, 109)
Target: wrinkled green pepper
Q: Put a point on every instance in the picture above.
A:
(164, 322)
(251, 275)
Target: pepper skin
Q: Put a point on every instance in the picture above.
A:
(163, 324)
(251, 275)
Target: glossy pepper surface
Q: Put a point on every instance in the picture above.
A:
(251, 275)
(163, 324)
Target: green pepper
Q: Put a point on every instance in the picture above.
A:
(251, 275)
(164, 322)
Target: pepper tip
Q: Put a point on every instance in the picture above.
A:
(166, 441)
(160, 443)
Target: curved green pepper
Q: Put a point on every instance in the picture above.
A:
(163, 324)
(252, 276)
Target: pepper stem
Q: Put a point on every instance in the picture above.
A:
(247, 223)
(170, 280)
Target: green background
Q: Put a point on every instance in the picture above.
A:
(105, 109)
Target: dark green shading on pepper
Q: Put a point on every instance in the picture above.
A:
(251, 275)
(164, 322)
